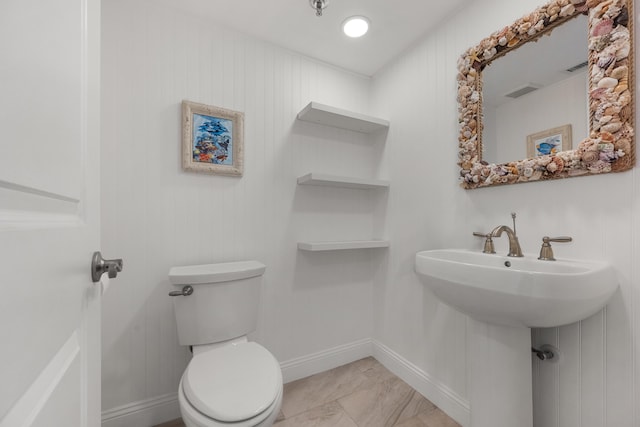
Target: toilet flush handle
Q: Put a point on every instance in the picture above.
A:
(186, 291)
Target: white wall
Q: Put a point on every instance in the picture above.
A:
(595, 383)
(156, 216)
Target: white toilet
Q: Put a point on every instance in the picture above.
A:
(230, 381)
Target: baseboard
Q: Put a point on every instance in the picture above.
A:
(442, 396)
(321, 361)
(144, 413)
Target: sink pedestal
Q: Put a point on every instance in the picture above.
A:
(499, 378)
(510, 295)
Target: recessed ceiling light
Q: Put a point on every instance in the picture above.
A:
(356, 26)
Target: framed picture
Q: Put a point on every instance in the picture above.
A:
(212, 139)
(549, 142)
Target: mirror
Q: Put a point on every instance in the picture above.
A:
(563, 104)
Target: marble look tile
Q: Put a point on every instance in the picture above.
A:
(379, 373)
(384, 404)
(365, 364)
(431, 418)
(316, 390)
(327, 415)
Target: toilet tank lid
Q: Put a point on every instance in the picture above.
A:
(213, 273)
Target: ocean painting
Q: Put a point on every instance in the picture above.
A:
(548, 146)
(212, 140)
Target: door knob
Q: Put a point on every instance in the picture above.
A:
(99, 266)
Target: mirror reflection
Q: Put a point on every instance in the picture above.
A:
(535, 93)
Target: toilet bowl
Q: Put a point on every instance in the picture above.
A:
(236, 383)
(230, 381)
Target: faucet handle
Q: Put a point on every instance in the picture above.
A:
(488, 243)
(546, 253)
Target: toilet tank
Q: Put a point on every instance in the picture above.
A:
(224, 303)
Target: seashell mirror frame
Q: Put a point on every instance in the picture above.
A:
(610, 146)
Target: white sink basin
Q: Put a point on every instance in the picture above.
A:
(511, 291)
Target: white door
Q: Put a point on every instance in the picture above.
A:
(49, 212)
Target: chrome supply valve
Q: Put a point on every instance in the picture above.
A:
(546, 252)
(488, 243)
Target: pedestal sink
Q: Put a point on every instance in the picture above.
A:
(506, 296)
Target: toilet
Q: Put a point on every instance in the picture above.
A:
(230, 381)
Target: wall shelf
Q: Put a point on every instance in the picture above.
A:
(338, 246)
(331, 116)
(341, 181)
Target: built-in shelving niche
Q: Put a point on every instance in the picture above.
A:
(335, 117)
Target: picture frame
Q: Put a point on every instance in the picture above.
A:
(549, 142)
(212, 139)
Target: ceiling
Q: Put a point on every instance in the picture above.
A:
(293, 24)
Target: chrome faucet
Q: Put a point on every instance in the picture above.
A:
(514, 245)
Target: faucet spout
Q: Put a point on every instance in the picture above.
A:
(514, 245)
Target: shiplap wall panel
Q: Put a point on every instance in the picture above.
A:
(157, 216)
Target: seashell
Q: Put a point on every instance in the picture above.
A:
(621, 88)
(606, 137)
(592, 3)
(600, 167)
(602, 28)
(601, 8)
(612, 110)
(514, 41)
(612, 127)
(623, 144)
(608, 83)
(605, 60)
(625, 113)
(623, 51)
(489, 53)
(590, 157)
(599, 43)
(556, 165)
(620, 72)
(502, 41)
(622, 18)
(553, 9)
(605, 119)
(624, 98)
(567, 10)
(597, 74)
(612, 11)
(523, 28)
(598, 93)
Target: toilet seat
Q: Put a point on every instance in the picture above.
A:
(234, 383)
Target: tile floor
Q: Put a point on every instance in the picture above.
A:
(361, 394)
